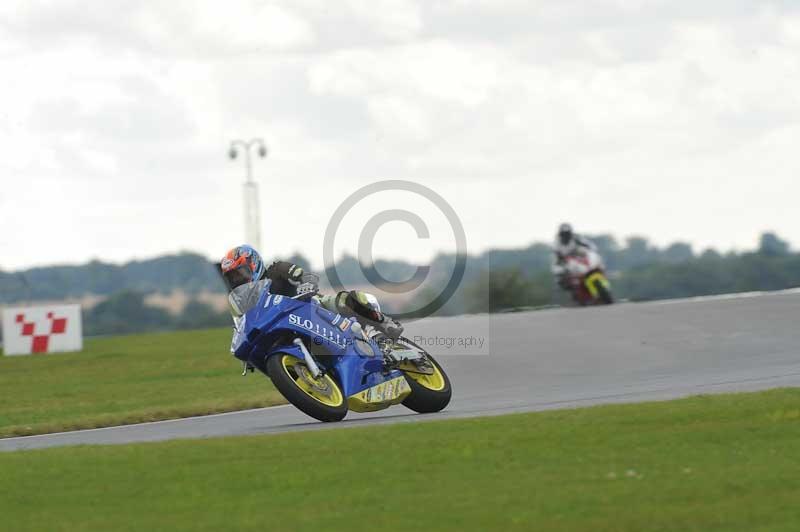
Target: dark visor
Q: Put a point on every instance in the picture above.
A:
(237, 277)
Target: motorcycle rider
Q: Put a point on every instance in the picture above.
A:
(568, 244)
(243, 265)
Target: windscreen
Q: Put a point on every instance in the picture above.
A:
(244, 297)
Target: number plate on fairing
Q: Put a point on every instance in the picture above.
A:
(380, 396)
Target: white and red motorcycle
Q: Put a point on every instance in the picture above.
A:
(586, 279)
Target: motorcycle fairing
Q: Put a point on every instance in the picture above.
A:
(384, 394)
(266, 325)
(591, 280)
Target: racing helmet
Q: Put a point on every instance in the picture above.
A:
(565, 234)
(241, 265)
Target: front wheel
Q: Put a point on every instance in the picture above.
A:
(430, 391)
(320, 398)
(604, 292)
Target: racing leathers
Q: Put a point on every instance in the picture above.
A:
(284, 278)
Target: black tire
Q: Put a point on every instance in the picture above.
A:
(304, 402)
(424, 400)
(603, 293)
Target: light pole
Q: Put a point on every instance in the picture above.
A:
(252, 218)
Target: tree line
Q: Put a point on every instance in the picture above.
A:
(642, 272)
(495, 280)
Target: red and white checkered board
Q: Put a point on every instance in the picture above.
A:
(38, 330)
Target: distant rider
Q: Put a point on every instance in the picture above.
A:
(568, 244)
(243, 265)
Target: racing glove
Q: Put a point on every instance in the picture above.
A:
(392, 327)
(285, 271)
(285, 277)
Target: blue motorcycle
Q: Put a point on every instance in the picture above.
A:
(326, 364)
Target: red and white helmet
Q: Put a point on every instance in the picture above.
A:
(241, 265)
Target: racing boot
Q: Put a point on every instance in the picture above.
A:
(391, 327)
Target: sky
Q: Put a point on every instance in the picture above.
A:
(672, 120)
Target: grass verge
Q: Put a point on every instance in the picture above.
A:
(708, 463)
(127, 379)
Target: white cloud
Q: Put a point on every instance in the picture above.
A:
(657, 118)
(202, 28)
(437, 69)
(249, 25)
(398, 117)
(394, 19)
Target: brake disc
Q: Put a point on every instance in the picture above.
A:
(320, 385)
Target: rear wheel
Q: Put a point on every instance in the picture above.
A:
(430, 386)
(320, 398)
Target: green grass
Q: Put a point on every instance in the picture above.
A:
(708, 463)
(127, 379)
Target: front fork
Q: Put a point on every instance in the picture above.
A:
(310, 362)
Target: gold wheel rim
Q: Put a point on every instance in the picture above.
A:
(434, 381)
(324, 389)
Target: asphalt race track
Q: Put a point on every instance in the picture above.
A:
(551, 359)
